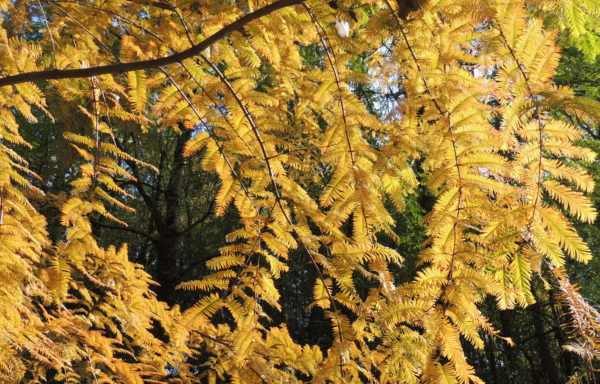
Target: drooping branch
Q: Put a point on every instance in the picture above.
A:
(446, 114)
(56, 74)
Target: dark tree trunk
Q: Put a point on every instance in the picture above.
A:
(510, 353)
(168, 242)
(548, 371)
(490, 351)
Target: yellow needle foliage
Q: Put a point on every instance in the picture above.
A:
(295, 157)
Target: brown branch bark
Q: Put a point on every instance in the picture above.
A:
(56, 74)
(157, 4)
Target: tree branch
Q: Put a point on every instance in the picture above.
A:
(157, 4)
(200, 220)
(127, 229)
(56, 74)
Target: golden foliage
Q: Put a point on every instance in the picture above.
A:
(296, 159)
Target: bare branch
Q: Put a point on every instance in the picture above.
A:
(56, 74)
(121, 228)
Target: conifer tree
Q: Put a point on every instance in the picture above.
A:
(308, 171)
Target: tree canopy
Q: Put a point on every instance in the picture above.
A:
(289, 141)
